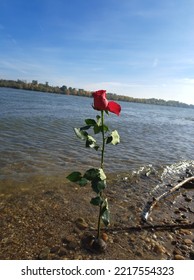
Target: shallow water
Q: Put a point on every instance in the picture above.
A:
(37, 138)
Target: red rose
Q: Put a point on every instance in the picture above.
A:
(101, 103)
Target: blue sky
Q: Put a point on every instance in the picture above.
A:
(140, 48)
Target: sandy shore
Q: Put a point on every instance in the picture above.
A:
(48, 219)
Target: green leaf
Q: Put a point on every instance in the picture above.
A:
(114, 138)
(85, 127)
(109, 139)
(105, 214)
(90, 122)
(81, 134)
(91, 174)
(97, 129)
(102, 174)
(98, 185)
(82, 182)
(106, 217)
(96, 201)
(105, 128)
(93, 145)
(91, 139)
(94, 173)
(98, 118)
(74, 176)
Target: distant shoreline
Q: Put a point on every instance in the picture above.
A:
(35, 86)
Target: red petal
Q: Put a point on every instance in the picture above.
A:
(114, 107)
(100, 101)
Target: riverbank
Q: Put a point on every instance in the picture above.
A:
(48, 219)
(35, 86)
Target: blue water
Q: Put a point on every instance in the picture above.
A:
(37, 137)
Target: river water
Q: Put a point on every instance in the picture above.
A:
(37, 137)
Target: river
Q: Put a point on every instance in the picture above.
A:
(37, 137)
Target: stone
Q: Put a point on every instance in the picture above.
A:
(44, 254)
(179, 257)
(159, 249)
(191, 254)
(81, 223)
(54, 249)
(169, 236)
(67, 239)
(98, 245)
(183, 216)
(188, 241)
(72, 245)
(188, 199)
(185, 231)
(183, 209)
(184, 247)
(104, 237)
(62, 252)
(176, 251)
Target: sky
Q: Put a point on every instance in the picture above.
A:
(138, 48)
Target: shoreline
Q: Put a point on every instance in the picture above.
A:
(41, 222)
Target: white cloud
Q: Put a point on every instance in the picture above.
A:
(188, 81)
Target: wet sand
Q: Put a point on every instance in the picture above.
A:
(48, 218)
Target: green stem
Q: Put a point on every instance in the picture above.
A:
(103, 140)
(102, 166)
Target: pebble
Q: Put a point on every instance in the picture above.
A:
(188, 199)
(81, 223)
(99, 245)
(159, 249)
(125, 178)
(191, 254)
(177, 211)
(184, 247)
(44, 254)
(78, 257)
(183, 209)
(183, 221)
(54, 249)
(139, 254)
(185, 232)
(188, 241)
(183, 216)
(62, 252)
(104, 237)
(176, 251)
(169, 236)
(72, 245)
(178, 257)
(67, 239)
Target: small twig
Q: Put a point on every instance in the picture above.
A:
(151, 204)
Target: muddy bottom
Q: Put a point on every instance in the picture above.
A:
(50, 218)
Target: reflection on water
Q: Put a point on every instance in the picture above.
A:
(36, 135)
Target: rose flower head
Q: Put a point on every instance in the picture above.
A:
(101, 103)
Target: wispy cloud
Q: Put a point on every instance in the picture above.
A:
(189, 81)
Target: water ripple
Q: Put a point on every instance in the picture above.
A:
(36, 134)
